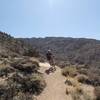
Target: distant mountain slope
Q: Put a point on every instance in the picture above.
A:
(82, 51)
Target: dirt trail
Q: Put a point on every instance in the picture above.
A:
(55, 89)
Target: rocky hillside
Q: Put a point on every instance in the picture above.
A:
(9, 46)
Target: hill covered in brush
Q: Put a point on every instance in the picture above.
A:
(9, 46)
(74, 50)
(21, 77)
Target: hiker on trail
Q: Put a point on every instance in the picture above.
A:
(50, 59)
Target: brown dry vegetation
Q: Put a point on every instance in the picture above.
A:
(20, 79)
(78, 85)
(70, 71)
(20, 76)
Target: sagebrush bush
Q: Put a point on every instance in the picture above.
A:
(23, 79)
(31, 83)
(34, 84)
(26, 65)
(83, 71)
(5, 70)
(75, 92)
(17, 83)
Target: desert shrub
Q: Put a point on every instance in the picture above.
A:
(34, 84)
(84, 79)
(83, 71)
(31, 83)
(20, 87)
(95, 79)
(8, 91)
(23, 80)
(68, 82)
(97, 92)
(18, 84)
(5, 70)
(69, 71)
(26, 65)
(75, 92)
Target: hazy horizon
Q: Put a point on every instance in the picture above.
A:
(51, 36)
(57, 37)
(50, 18)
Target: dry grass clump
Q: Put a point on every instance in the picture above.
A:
(72, 82)
(69, 71)
(72, 85)
(68, 82)
(77, 90)
(77, 93)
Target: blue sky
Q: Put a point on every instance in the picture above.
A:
(42, 18)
